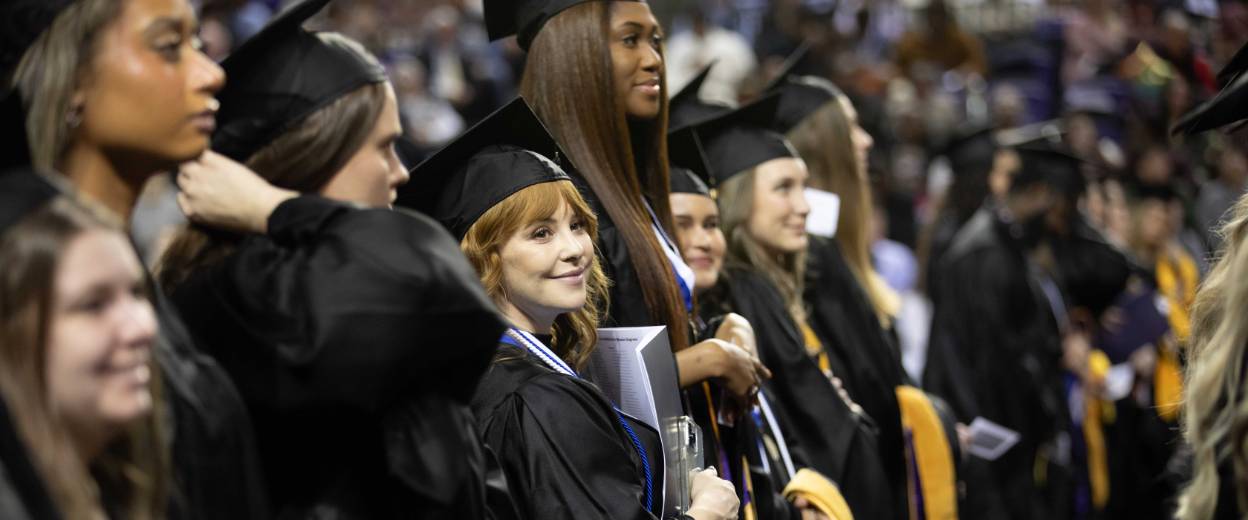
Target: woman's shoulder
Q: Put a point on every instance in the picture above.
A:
(520, 382)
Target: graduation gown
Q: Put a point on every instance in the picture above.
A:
(357, 337)
(215, 459)
(834, 441)
(845, 321)
(995, 352)
(561, 444)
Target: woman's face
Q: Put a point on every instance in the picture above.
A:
(373, 175)
(148, 92)
(545, 266)
(861, 139)
(702, 243)
(778, 217)
(100, 337)
(636, 40)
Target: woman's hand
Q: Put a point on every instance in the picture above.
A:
(737, 330)
(716, 358)
(217, 192)
(712, 498)
(809, 512)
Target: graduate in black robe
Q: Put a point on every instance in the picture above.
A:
(355, 335)
(849, 323)
(743, 440)
(836, 441)
(996, 348)
(566, 450)
(213, 451)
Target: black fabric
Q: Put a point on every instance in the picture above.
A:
(216, 466)
(21, 192)
(833, 440)
(21, 23)
(1093, 272)
(508, 151)
(1230, 105)
(686, 109)
(561, 443)
(280, 76)
(845, 321)
(995, 352)
(743, 138)
(684, 180)
(524, 18)
(357, 337)
(801, 96)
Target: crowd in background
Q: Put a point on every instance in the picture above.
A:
(1111, 76)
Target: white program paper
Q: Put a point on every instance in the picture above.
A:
(825, 210)
(1119, 381)
(635, 368)
(990, 440)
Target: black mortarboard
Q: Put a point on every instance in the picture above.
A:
(21, 23)
(280, 76)
(972, 150)
(524, 18)
(1050, 162)
(683, 180)
(686, 109)
(743, 138)
(1230, 105)
(689, 171)
(506, 152)
(800, 96)
(22, 190)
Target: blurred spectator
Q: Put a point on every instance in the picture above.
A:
(940, 42)
(1096, 36)
(688, 52)
(429, 121)
(1218, 194)
(1175, 44)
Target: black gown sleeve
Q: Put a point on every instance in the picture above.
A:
(561, 446)
(347, 304)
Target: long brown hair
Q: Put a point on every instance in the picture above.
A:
(824, 140)
(132, 474)
(575, 333)
(52, 68)
(303, 159)
(568, 78)
(786, 272)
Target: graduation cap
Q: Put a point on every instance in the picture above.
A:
(1050, 162)
(506, 152)
(1230, 105)
(21, 23)
(524, 18)
(972, 150)
(685, 109)
(743, 138)
(280, 76)
(688, 168)
(800, 96)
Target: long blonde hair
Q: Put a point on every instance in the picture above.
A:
(132, 474)
(54, 66)
(824, 141)
(575, 333)
(786, 271)
(1215, 407)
